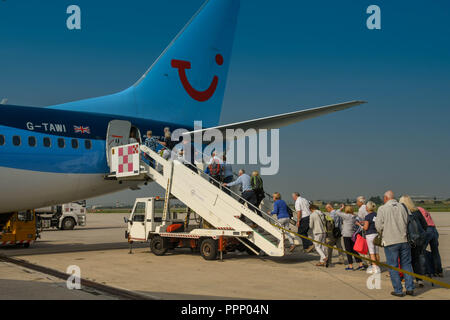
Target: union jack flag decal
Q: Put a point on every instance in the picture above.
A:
(81, 129)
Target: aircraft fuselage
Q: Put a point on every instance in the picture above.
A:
(52, 156)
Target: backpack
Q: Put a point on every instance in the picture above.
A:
(337, 232)
(328, 224)
(414, 232)
(215, 168)
(337, 227)
(257, 183)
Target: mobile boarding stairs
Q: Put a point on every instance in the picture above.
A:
(227, 214)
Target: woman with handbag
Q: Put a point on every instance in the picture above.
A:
(371, 233)
(348, 223)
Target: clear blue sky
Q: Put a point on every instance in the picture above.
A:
(287, 55)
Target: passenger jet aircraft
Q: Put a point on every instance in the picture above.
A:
(59, 153)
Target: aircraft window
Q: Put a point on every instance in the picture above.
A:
(32, 141)
(2, 139)
(16, 140)
(47, 142)
(87, 144)
(61, 142)
(75, 143)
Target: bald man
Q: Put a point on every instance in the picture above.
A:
(391, 221)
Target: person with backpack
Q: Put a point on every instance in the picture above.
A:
(418, 258)
(434, 263)
(257, 186)
(371, 233)
(392, 224)
(336, 239)
(348, 224)
(317, 224)
(280, 208)
(247, 192)
(215, 169)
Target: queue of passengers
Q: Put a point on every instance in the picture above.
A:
(389, 224)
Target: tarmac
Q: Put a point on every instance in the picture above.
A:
(102, 253)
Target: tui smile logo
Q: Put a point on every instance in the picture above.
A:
(201, 96)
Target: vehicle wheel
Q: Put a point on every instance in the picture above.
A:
(158, 246)
(208, 249)
(68, 224)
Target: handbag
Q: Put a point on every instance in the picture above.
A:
(378, 240)
(361, 245)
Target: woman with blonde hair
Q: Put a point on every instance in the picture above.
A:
(257, 186)
(348, 223)
(371, 232)
(418, 259)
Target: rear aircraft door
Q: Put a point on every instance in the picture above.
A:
(118, 134)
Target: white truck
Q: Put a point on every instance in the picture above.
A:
(63, 217)
(165, 232)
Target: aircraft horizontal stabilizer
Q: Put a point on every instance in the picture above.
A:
(281, 120)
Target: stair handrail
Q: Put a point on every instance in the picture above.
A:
(268, 196)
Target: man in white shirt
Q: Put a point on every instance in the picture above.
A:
(303, 213)
(214, 169)
(215, 157)
(362, 212)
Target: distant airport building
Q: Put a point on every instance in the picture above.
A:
(425, 199)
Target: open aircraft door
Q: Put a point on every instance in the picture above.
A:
(117, 135)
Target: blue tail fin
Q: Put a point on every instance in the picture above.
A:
(187, 82)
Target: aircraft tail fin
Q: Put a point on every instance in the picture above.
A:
(187, 81)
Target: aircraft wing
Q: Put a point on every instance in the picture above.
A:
(281, 120)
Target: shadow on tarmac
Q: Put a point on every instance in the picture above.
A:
(46, 247)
